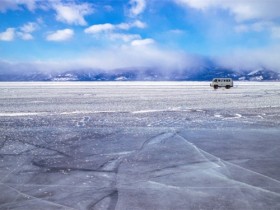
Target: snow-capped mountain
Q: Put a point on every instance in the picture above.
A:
(205, 73)
(261, 74)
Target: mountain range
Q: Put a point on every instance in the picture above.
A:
(205, 73)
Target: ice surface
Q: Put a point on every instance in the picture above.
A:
(139, 145)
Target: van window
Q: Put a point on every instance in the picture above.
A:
(215, 80)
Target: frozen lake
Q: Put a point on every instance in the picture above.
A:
(139, 145)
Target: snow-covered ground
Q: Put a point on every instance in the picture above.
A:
(139, 145)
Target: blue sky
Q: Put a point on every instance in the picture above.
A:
(108, 34)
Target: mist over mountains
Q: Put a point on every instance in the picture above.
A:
(204, 73)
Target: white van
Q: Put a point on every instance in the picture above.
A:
(222, 82)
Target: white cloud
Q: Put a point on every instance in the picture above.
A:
(137, 7)
(127, 26)
(30, 4)
(108, 27)
(25, 36)
(29, 27)
(262, 26)
(99, 28)
(138, 24)
(241, 9)
(152, 56)
(112, 58)
(124, 37)
(15, 5)
(142, 42)
(7, 4)
(275, 32)
(135, 56)
(61, 35)
(267, 57)
(255, 27)
(25, 31)
(177, 31)
(8, 35)
(73, 13)
(123, 26)
(116, 32)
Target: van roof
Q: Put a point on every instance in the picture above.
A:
(223, 78)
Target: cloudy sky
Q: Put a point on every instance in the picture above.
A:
(110, 34)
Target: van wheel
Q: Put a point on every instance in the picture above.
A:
(215, 86)
(227, 87)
